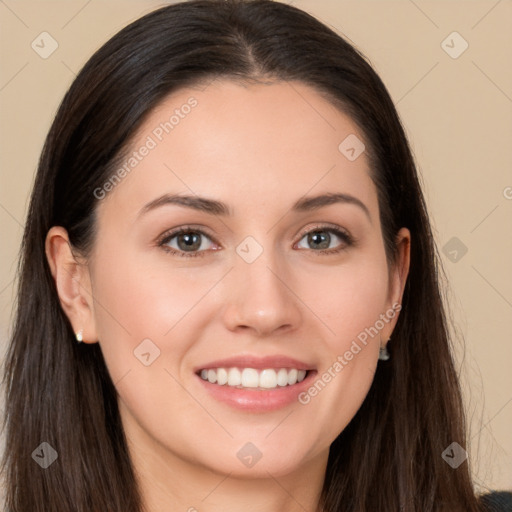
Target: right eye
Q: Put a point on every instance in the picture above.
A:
(185, 242)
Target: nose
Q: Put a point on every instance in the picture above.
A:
(261, 298)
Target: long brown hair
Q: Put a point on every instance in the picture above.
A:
(388, 458)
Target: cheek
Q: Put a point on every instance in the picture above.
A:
(140, 297)
(145, 319)
(143, 291)
(350, 299)
(351, 307)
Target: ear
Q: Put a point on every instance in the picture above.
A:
(73, 283)
(397, 279)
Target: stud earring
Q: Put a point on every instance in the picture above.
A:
(383, 353)
(80, 336)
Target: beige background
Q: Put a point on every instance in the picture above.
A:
(457, 112)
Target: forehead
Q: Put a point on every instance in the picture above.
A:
(254, 146)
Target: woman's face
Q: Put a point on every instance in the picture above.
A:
(258, 291)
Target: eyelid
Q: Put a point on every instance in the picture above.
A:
(326, 226)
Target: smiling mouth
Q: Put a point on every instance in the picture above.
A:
(251, 378)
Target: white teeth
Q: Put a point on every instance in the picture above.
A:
(292, 376)
(234, 377)
(222, 376)
(282, 377)
(250, 378)
(268, 378)
(212, 376)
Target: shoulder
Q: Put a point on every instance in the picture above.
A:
(497, 502)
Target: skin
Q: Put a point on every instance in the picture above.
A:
(258, 148)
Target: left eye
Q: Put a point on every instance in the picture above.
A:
(321, 238)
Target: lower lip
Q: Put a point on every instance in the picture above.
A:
(257, 400)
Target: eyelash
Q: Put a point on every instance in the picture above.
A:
(342, 234)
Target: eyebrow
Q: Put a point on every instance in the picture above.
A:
(213, 207)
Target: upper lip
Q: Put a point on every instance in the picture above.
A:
(258, 363)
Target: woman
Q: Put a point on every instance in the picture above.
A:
(180, 341)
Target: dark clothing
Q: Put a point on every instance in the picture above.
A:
(497, 501)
